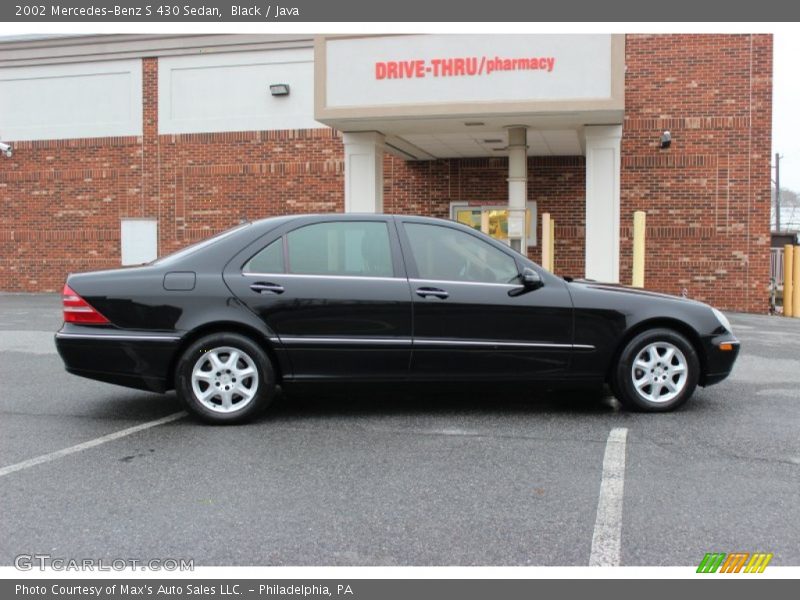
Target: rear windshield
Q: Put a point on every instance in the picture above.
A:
(198, 245)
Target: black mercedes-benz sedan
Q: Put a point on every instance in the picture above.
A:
(376, 298)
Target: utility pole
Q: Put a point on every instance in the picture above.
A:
(777, 192)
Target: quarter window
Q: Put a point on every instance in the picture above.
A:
(269, 260)
(446, 254)
(356, 248)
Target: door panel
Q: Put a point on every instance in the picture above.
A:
(334, 325)
(332, 328)
(480, 332)
(478, 329)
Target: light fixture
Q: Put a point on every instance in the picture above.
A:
(666, 140)
(474, 123)
(279, 89)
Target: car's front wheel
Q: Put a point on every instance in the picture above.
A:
(657, 371)
(225, 378)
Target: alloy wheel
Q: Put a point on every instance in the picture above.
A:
(659, 372)
(225, 379)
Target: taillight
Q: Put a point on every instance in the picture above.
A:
(78, 310)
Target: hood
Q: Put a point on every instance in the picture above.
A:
(624, 289)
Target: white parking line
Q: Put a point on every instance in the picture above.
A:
(45, 458)
(608, 525)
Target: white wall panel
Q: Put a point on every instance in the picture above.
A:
(230, 92)
(138, 240)
(95, 99)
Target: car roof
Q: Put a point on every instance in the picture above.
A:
(348, 217)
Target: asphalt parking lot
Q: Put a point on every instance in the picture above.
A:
(476, 476)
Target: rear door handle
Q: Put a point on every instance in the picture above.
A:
(267, 288)
(424, 292)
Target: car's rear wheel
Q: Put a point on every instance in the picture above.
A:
(225, 378)
(658, 370)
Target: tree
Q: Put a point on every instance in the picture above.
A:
(790, 210)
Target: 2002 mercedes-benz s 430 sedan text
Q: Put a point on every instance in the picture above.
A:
(378, 298)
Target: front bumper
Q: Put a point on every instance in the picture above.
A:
(721, 354)
(136, 359)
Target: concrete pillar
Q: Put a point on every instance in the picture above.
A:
(485, 222)
(517, 186)
(363, 171)
(602, 202)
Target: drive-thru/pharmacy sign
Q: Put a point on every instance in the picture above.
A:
(460, 66)
(405, 75)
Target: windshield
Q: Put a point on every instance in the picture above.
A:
(198, 245)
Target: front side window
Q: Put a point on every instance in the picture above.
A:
(355, 248)
(446, 254)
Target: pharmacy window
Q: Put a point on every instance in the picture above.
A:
(493, 219)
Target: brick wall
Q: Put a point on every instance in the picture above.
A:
(63, 200)
(556, 184)
(707, 197)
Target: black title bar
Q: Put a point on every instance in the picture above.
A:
(222, 11)
(390, 589)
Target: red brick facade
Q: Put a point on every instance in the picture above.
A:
(707, 197)
(557, 184)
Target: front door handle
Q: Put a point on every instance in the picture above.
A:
(424, 292)
(267, 288)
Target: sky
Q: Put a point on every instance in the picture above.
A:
(786, 107)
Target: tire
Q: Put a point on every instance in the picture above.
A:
(225, 378)
(657, 371)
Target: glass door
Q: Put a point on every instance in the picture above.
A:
(493, 220)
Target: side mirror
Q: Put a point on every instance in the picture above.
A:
(531, 280)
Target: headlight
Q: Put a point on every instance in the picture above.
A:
(723, 320)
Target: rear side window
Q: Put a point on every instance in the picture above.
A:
(357, 248)
(269, 260)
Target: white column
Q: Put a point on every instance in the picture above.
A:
(602, 202)
(517, 186)
(363, 172)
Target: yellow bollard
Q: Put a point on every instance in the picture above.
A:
(788, 288)
(552, 245)
(638, 249)
(546, 246)
(795, 283)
